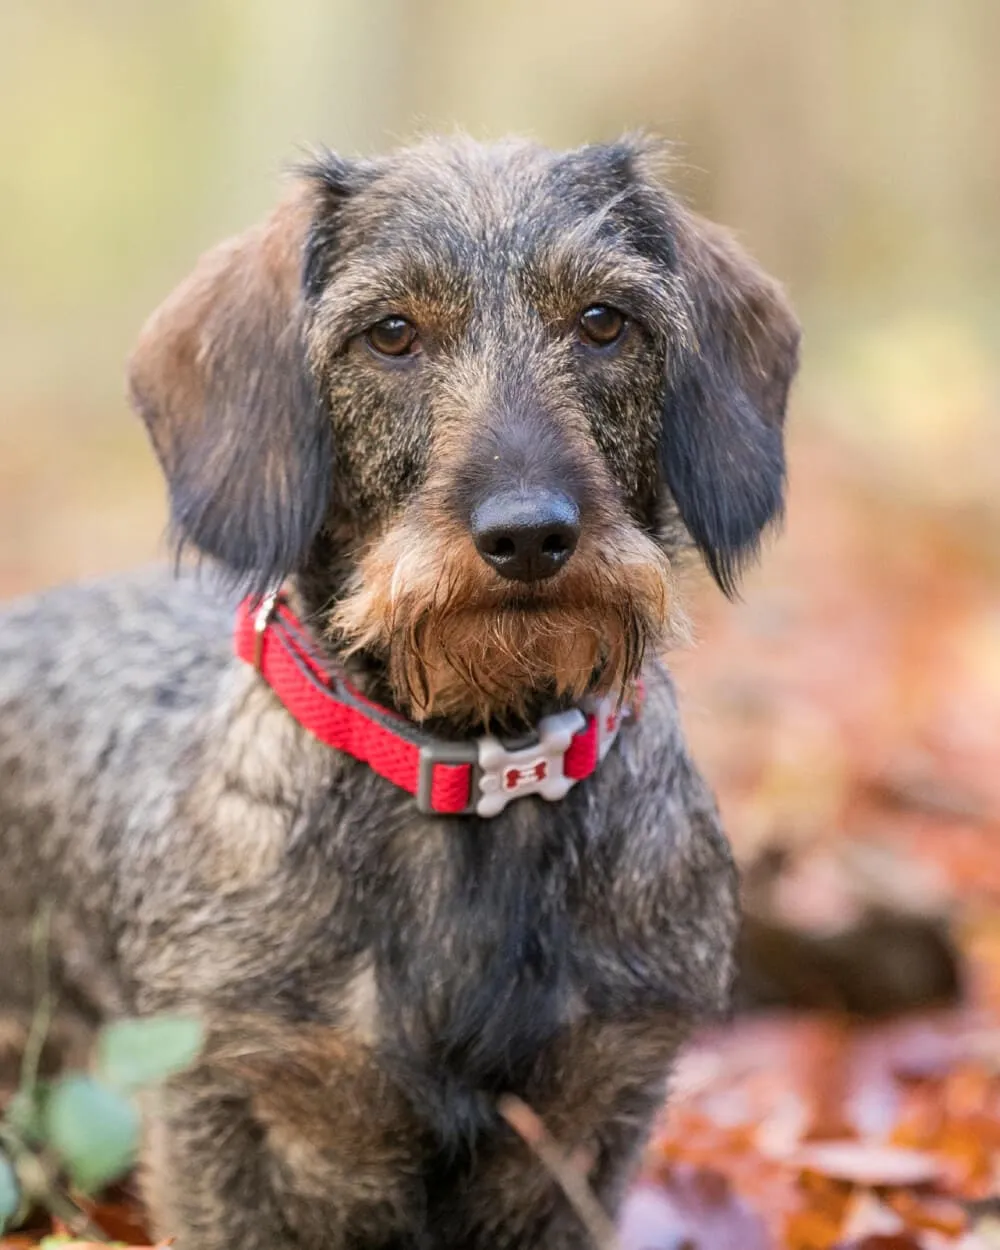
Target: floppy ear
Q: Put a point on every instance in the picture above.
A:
(220, 377)
(722, 445)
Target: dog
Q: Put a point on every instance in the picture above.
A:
(447, 422)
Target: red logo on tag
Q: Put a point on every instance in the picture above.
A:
(514, 777)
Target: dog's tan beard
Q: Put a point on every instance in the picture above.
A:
(462, 643)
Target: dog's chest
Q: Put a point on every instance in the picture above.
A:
(473, 954)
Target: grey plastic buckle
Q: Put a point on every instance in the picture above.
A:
(446, 753)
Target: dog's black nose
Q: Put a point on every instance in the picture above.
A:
(526, 535)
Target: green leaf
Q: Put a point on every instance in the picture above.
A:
(10, 1193)
(93, 1129)
(134, 1053)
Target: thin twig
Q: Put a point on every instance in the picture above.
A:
(75, 1218)
(570, 1177)
(42, 1018)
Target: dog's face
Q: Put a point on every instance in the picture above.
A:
(483, 389)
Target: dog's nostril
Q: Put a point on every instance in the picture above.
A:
(555, 545)
(526, 535)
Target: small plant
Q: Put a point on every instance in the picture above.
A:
(80, 1131)
(84, 1128)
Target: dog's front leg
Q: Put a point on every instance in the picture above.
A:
(283, 1136)
(596, 1093)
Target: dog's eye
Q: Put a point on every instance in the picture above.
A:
(393, 336)
(600, 325)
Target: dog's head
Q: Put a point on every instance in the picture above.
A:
(487, 388)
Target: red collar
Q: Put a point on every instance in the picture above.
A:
(480, 775)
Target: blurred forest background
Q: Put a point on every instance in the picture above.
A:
(849, 710)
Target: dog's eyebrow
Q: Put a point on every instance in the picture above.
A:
(606, 272)
(370, 285)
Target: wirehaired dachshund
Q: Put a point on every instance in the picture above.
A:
(427, 833)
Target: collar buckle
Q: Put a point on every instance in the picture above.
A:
(434, 753)
(505, 773)
(501, 771)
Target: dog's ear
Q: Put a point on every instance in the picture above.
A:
(722, 444)
(221, 379)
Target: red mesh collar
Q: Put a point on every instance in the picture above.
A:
(474, 776)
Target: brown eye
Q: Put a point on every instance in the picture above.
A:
(600, 325)
(393, 336)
